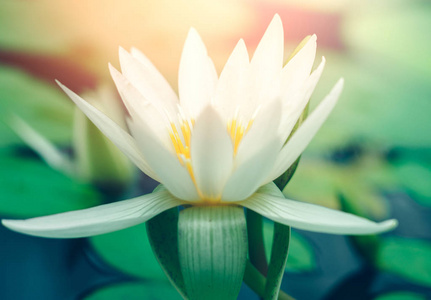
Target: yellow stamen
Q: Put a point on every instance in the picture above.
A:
(237, 132)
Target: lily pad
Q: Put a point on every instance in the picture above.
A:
(409, 258)
(129, 251)
(136, 291)
(40, 104)
(401, 296)
(30, 188)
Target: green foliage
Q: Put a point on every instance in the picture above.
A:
(41, 105)
(129, 251)
(151, 290)
(401, 296)
(30, 188)
(409, 258)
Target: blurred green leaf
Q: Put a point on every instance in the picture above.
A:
(401, 296)
(135, 291)
(416, 178)
(41, 105)
(30, 188)
(301, 255)
(129, 251)
(409, 258)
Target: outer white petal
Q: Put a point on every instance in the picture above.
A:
(256, 154)
(197, 75)
(165, 164)
(97, 220)
(298, 69)
(294, 106)
(266, 64)
(142, 111)
(313, 217)
(150, 83)
(113, 131)
(211, 153)
(232, 91)
(302, 137)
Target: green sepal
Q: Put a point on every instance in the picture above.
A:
(162, 233)
(213, 246)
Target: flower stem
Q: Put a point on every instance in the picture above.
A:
(256, 281)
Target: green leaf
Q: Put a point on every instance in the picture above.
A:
(409, 258)
(41, 105)
(135, 291)
(301, 254)
(129, 251)
(401, 295)
(30, 188)
(213, 246)
(277, 263)
(162, 233)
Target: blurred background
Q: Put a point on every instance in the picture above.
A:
(372, 157)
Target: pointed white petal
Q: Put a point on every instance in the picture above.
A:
(298, 69)
(165, 164)
(49, 153)
(312, 217)
(142, 110)
(197, 75)
(148, 81)
(211, 153)
(263, 130)
(115, 133)
(231, 90)
(302, 137)
(247, 178)
(256, 154)
(266, 63)
(97, 220)
(294, 106)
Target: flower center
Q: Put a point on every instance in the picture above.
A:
(181, 133)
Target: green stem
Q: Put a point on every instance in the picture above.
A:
(279, 253)
(256, 281)
(256, 248)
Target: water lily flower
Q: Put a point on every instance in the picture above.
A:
(222, 142)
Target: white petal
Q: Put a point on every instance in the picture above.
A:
(197, 75)
(231, 91)
(247, 178)
(211, 153)
(165, 164)
(49, 153)
(294, 106)
(313, 217)
(97, 220)
(256, 154)
(302, 137)
(263, 130)
(298, 69)
(142, 110)
(267, 62)
(150, 83)
(113, 131)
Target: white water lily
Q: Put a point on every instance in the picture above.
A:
(222, 142)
